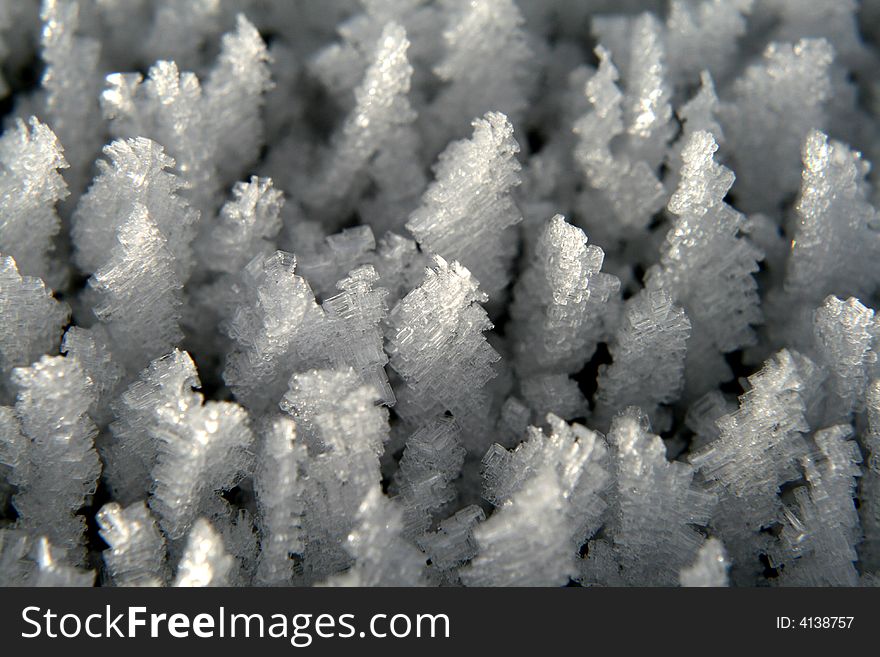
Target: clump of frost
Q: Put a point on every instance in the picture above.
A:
(710, 567)
(136, 553)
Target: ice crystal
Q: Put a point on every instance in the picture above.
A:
(31, 185)
(559, 301)
(57, 468)
(654, 505)
(136, 556)
(343, 292)
(204, 561)
(32, 321)
(643, 371)
(706, 265)
(710, 567)
(468, 211)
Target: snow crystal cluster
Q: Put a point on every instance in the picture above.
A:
(453, 293)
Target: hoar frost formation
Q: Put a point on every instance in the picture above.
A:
(467, 292)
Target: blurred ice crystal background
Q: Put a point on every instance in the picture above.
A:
(467, 292)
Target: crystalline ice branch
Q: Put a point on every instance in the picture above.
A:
(353, 332)
(31, 185)
(381, 555)
(559, 302)
(58, 468)
(277, 330)
(527, 541)
(205, 561)
(234, 95)
(821, 533)
(453, 543)
(759, 449)
(246, 227)
(628, 187)
(136, 552)
(844, 334)
(834, 216)
(168, 108)
(32, 321)
(72, 85)
(139, 292)
(431, 461)
(376, 140)
(648, 351)
(53, 570)
(435, 343)
(129, 456)
(91, 348)
(345, 432)
(468, 213)
(637, 43)
(575, 453)
(486, 66)
(201, 449)
(773, 106)
(707, 265)
(136, 171)
(710, 567)
(280, 487)
(655, 506)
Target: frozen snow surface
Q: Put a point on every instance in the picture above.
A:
(439, 293)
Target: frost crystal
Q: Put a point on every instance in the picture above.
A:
(32, 321)
(706, 265)
(468, 211)
(773, 106)
(376, 138)
(436, 345)
(821, 533)
(139, 292)
(578, 457)
(112, 198)
(649, 352)
(559, 301)
(710, 567)
(486, 66)
(71, 84)
(201, 449)
(431, 461)
(204, 561)
(382, 556)
(654, 507)
(279, 487)
(628, 187)
(30, 187)
(57, 468)
(526, 542)
(834, 214)
(53, 571)
(136, 556)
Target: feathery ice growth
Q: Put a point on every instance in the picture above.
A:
(455, 293)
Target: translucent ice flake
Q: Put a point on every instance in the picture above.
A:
(436, 345)
(560, 302)
(205, 561)
(648, 354)
(710, 567)
(468, 212)
(707, 265)
(31, 159)
(834, 216)
(32, 321)
(136, 553)
(57, 468)
(136, 171)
